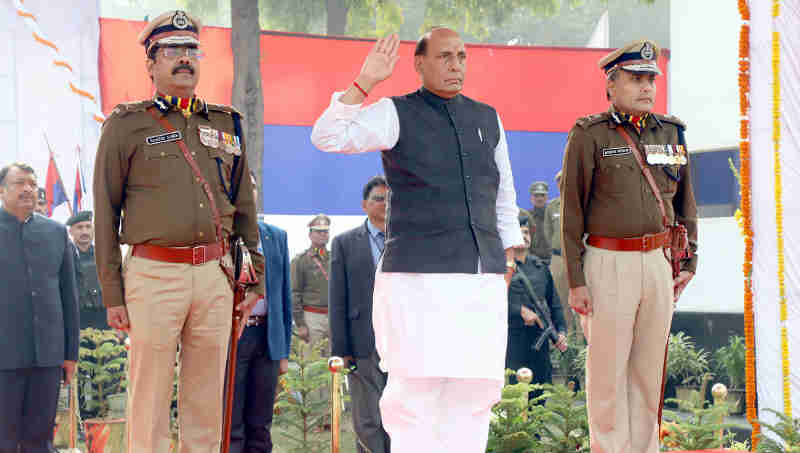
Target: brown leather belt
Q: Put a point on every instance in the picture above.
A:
(313, 309)
(196, 255)
(644, 243)
(256, 320)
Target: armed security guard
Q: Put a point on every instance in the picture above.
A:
(532, 290)
(620, 282)
(310, 271)
(170, 170)
(81, 231)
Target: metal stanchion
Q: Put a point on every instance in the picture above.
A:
(720, 394)
(335, 366)
(524, 375)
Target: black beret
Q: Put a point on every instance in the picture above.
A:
(82, 216)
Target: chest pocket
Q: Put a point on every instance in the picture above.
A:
(157, 165)
(616, 174)
(666, 182)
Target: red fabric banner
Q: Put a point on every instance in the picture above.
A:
(541, 89)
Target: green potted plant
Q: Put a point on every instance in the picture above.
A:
(786, 433)
(729, 362)
(570, 364)
(703, 429)
(686, 365)
(560, 425)
(102, 377)
(298, 413)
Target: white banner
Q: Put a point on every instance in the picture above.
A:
(765, 254)
(48, 80)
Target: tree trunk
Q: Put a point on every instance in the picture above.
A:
(337, 17)
(248, 96)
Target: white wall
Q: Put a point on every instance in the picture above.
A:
(703, 75)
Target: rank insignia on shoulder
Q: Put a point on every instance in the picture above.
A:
(164, 138)
(613, 152)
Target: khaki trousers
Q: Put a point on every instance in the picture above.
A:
(168, 304)
(318, 328)
(632, 295)
(559, 272)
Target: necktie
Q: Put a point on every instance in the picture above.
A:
(381, 237)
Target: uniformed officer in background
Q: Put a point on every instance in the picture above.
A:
(310, 271)
(620, 281)
(41, 202)
(540, 241)
(552, 231)
(173, 171)
(81, 230)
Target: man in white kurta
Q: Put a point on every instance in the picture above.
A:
(439, 310)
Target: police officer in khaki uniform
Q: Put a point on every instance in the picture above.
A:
(552, 231)
(166, 167)
(620, 281)
(310, 271)
(540, 243)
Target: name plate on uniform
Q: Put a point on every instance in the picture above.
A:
(164, 138)
(611, 152)
(666, 154)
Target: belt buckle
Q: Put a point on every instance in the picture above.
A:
(647, 240)
(198, 255)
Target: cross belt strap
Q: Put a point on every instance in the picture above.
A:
(646, 170)
(195, 169)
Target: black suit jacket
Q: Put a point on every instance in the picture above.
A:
(350, 287)
(38, 294)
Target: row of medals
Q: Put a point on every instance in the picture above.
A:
(666, 154)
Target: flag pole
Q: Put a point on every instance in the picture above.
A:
(58, 173)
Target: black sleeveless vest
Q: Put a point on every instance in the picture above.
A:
(443, 180)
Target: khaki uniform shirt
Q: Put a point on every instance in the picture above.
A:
(540, 240)
(147, 188)
(605, 193)
(309, 282)
(552, 223)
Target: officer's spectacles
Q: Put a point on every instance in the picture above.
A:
(176, 52)
(378, 198)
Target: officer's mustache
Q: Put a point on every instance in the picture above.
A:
(181, 67)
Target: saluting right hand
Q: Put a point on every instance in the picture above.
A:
(117, 318)
(580, 301)
(380, 61)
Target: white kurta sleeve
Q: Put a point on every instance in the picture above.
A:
(507, 210)
(350, 129)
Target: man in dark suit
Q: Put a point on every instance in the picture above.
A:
(263, 352)
(38, 315)
(354, 257)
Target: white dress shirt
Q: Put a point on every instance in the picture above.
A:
(430, 325)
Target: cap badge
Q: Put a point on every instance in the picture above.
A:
(647, 51)
(180, 21)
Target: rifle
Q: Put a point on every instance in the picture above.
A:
(542, 311)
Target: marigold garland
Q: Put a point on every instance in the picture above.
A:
(745, 208)
(776, 137)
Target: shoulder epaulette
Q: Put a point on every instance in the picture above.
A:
(223, 108)
(587, 121)
(129, 107)
(671, 119)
